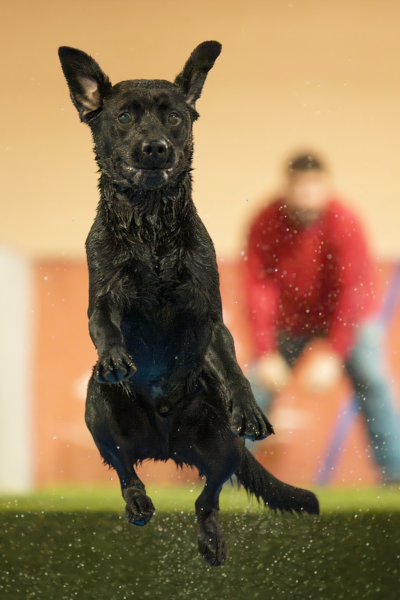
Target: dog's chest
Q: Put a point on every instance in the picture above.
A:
(151, 278)
(163, 327)
(161, 275)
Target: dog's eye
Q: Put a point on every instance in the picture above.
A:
(174, 119)
(124, 118)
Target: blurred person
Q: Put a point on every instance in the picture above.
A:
(310, 275)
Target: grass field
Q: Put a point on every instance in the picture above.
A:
(75, 543)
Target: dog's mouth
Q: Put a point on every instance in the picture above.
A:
(149, 179)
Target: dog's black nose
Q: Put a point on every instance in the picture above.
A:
(154, 153)
(155, 148)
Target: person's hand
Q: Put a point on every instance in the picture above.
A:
(273, 372)
(322, 372)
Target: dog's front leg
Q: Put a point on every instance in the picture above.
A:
(114, 362)
(245, 416)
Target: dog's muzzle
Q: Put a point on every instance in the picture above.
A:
(152, 164)
(148, 179)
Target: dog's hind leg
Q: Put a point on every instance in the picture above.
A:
(210, 537)
(207, 442)
(115, 448)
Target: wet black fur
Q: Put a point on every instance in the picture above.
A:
(167, 384)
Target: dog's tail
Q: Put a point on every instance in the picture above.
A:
(273, 493)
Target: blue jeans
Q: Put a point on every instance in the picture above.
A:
(367, 369)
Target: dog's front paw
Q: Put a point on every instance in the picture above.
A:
(114, 366)
(139, 507)
(250, 422)
(246, 417)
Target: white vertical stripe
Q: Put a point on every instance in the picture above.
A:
(16, 316)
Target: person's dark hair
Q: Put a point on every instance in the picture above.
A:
(305, 162)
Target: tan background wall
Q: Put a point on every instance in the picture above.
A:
(293, 74)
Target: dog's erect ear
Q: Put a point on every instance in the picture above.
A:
(194, 73)
(87, 83)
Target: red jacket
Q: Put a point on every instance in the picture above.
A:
(314, 280)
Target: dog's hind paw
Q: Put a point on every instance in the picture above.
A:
(211, 540)
(139, 508)
(114, 367)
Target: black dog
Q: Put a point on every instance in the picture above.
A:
(167, 384)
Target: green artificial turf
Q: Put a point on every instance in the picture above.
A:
(76, 543)
(93, 555)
